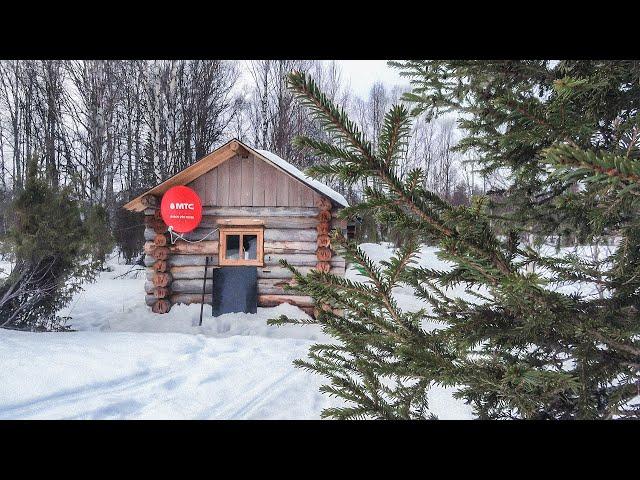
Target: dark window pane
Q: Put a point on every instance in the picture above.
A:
(233, 247)
(249, 245)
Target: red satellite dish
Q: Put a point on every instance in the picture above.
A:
(181, 209)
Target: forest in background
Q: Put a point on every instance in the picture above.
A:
(108, 130)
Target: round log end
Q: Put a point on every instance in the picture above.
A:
(323, 267)
(160, 253)
(323, 228)
(323, 241)
(324, 216)
(161, 292)
(160, 266)
(324, 203)
(160, 240)
(161, 279)
(323, 254)
(161, 306)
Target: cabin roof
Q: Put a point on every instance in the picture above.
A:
(224, 153)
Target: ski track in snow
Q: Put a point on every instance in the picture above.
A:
(124, 362)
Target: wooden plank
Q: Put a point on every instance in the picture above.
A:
(194, 287)
(223, 185)
(285, 273)
(259, 182)
(215, 158)
(272, 211)
(247, 176)
(274, 300)
(270, 246)
(191, 286)
(282, 190)
(295, 192)
(181, 298)
(196, 272)
(264, 301)
(293, 235)
(235, 180)
(274, 286)
(267, 222)
(308, 197)
(211, 188)
(194, 235)
(194, 185)
(187, 299)
(235, 222)
(177, 260)
(270, 184)
(266, 286)
(187, 272)
(206, 247)
(280, 272)
(201, 234)
(270, 260)
(299, 259)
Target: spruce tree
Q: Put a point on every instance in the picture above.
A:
(53, 255)
(516, 345)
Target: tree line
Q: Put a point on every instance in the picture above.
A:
(112, 129)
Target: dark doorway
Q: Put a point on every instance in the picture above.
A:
(235, 289)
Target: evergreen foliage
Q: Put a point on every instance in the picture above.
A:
(53, 254)
(128, 232)
(99, 234)
(516, 345)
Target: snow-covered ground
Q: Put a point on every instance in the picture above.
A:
(124, 362)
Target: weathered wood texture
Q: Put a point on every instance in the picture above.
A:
(275, 300)
(196, 272)
(182, 260)
(191, 173)
(245, 180)
(207, 247)
(304, 303)
(266, 286)
(243, 191)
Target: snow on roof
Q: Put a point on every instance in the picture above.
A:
(315, 184)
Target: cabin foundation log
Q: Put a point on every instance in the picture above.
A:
(275, 300)
(266, 286)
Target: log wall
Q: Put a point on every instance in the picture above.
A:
(298, 234)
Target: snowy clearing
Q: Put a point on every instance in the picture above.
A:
(124, 362)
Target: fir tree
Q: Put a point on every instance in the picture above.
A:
(516, 345)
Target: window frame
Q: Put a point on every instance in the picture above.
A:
(241, 231)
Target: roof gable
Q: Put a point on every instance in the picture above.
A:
(221, 155)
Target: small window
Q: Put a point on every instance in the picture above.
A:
(240, 246)
(250, 246)
(233, 247)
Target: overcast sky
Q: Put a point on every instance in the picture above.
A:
(362, 74)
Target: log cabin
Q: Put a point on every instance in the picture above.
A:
(256, 210)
